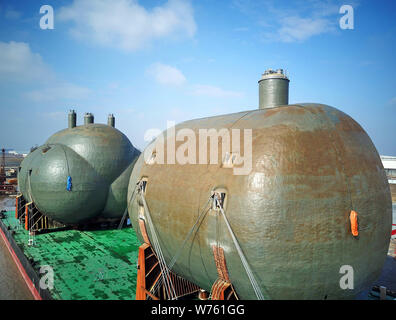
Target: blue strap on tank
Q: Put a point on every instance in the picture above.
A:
(69, 184)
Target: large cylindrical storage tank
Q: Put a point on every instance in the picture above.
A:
(311, 165)
(80, 174)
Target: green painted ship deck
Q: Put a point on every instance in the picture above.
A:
(88, 265)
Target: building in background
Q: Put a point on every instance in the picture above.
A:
(389, 163)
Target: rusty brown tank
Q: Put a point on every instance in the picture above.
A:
(311, 165)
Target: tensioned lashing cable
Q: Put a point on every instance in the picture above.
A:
(179, 251)
(165, 269)
(249, 272)
(170, 290)
(126, 210)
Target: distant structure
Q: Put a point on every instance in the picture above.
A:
(389, 163)
(7, 186)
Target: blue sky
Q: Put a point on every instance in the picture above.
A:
(150, 62)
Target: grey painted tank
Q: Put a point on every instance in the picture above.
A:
(97, 157)
(311, 165)
(273, 89)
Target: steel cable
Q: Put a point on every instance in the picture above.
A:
(245, 264)
(164, 269)
(179, 251)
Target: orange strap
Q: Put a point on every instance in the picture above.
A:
(16, 207)
(220, 261)
(353, 217)
(143, 231)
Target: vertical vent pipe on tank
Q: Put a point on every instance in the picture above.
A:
(111, 120)
(72, 119)
(88, 118)
(273, 89)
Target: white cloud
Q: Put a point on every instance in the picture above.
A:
(19, 63)
(126, 24)
(59, 92)
(300, 29)
(216, 92)
(281, 22)
(166, 75)
(171, 76)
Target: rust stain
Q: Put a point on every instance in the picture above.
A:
(290, 109)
